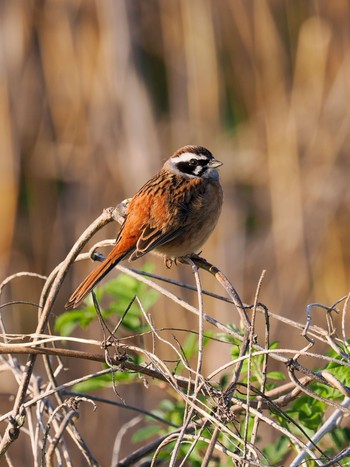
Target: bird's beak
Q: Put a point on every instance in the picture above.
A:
(214, 163)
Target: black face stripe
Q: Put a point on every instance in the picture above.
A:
(190, 168)
(192, 160)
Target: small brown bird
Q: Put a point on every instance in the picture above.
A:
(173, 213)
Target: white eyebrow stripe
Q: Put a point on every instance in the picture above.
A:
(187, 156)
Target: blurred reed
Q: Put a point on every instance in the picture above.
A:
(95, 94)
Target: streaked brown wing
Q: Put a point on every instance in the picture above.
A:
(152, 238)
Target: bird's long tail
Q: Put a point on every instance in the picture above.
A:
(92, 280)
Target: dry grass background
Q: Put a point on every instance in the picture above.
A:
(94, 94)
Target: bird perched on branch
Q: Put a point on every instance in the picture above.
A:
(173, 213)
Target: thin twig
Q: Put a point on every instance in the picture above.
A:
(249, 367)
(104, 219)
(189, 414)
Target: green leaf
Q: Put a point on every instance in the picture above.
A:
(145, 433)
(104, 381)
(99, 382)
(276, 451)
(67, 322)
(309, 412)
(172, 411)
(223, 381)
(341, 437)
(190, 346)
(122, 289)
(276, 375)
(167, 405)
(340, 371)
(274, 345)
(311, 420)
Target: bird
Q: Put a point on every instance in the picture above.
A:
(173, 213)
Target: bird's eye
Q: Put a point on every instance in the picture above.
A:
(193, 162)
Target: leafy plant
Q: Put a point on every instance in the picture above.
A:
(119, 294)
